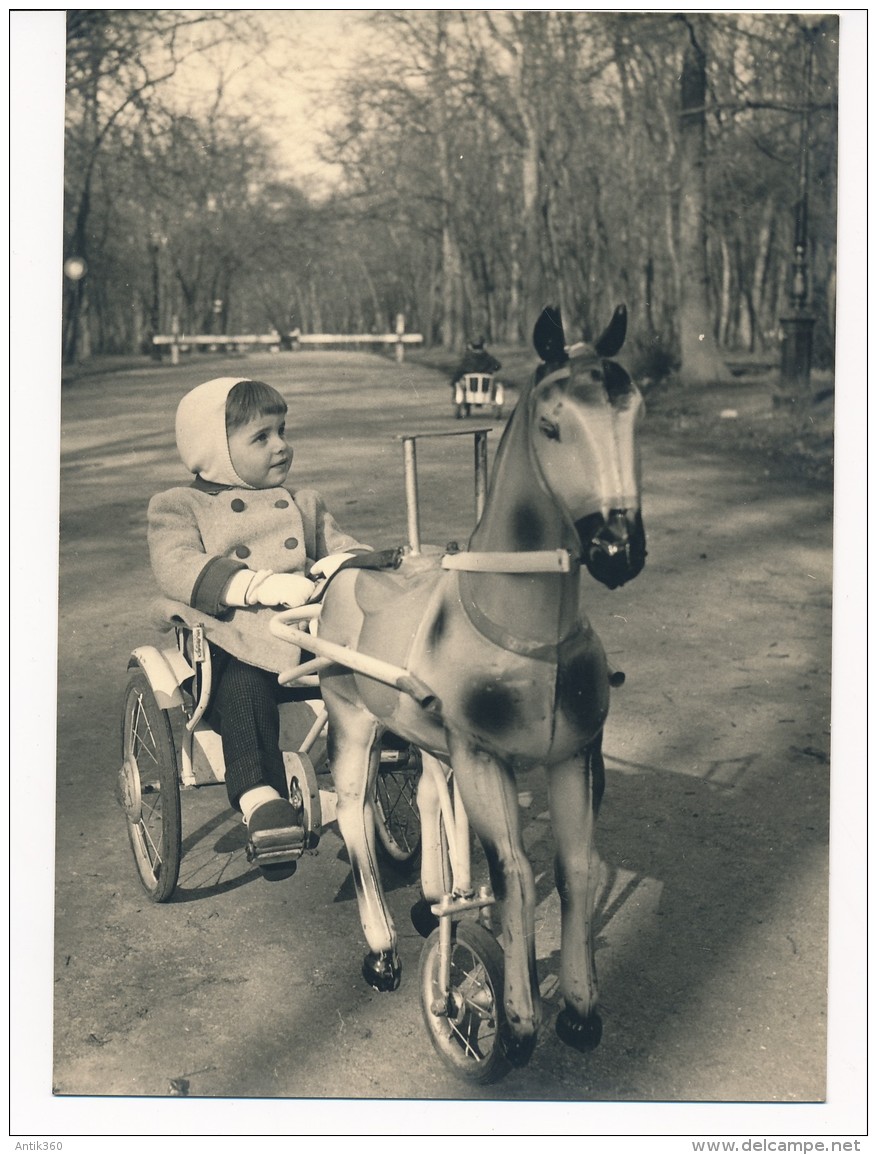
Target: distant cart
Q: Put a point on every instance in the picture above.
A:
(478, 391)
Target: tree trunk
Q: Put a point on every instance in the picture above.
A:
(532, 292)
(512, 327)
(452, 335)
(760, 275)
(726, 320)
(700, 359)
(452, 286)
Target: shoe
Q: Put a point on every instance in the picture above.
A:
(277, 837)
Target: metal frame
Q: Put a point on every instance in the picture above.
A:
(460, 896)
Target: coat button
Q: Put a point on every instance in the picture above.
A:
(238, 506)
(281, 504)
(291, 543)
(242, 551)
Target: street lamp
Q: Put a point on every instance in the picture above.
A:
(75, 269)
(797, 328)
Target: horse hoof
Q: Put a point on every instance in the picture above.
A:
(583, 1034)
(422, 918)
(382, 970)
(519, 1051)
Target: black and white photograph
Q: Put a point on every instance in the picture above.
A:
(438, 684)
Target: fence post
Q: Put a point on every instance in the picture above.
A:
(400, 329)
(409, 450)
(175, 342)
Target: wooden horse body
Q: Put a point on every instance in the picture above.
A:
(517, 675)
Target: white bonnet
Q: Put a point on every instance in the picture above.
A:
(200, 429)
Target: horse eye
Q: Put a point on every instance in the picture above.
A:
(550, 428)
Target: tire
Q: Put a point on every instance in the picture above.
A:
(397, 819)
(149, 789)
(469, 1037)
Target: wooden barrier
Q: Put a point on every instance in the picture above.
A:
(179, 342)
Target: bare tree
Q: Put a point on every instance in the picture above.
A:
(700, 359)
(492, 162)
(117, 64)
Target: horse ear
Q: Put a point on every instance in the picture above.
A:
(617, 380)
(612, 338)
(548, 339)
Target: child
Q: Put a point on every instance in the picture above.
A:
(476, 359)
(229, 550)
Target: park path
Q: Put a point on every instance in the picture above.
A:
(714, 832)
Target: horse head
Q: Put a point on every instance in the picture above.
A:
(583, 411)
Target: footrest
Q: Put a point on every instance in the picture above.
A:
(284, 841)
(277, 845)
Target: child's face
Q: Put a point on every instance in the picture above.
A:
(259, 451)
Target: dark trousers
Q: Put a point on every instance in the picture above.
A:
(244, 710)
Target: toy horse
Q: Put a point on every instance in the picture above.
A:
(517, 678)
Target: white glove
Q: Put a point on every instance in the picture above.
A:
(235, 593)
(280, 589)
(327, 565)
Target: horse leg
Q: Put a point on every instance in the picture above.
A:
(435, 877)
(575, 789)
(354, 756)
(490, 796)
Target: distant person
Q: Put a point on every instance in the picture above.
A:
(476, 359)
(229, 550)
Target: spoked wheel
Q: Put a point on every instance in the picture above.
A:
(149, 789)
(467, 1027)
(397, 819)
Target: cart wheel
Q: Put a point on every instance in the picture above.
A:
(149, 789)
(397, 819)
(466, 1029)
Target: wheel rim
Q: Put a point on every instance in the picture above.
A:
(142, 760)
(398, 817)
(467, 1036)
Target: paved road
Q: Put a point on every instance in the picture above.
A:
(713, 921)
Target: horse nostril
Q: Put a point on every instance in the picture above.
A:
(614, 547)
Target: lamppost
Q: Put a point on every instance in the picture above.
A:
(797, 327)
(75, 269)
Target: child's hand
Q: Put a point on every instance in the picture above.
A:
(281, 589)
(326, 566)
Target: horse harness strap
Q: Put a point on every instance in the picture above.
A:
(523, 647)
(562, 373)
(525, 561)
(533, 561)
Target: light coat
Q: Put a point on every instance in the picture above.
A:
(201, 535)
